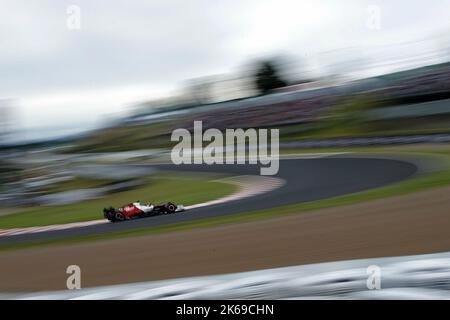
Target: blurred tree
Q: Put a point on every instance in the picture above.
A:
(268, 77)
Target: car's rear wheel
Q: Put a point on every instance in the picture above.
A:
(109, 214)
(119, 216)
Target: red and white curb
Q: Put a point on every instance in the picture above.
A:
(249, 186)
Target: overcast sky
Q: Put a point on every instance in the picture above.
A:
(131, 50)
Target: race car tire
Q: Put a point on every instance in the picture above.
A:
(119, 217)
(171, 208)
(109, 214)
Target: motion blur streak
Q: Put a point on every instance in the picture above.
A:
(355, 94)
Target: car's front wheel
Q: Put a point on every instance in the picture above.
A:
(171, 208)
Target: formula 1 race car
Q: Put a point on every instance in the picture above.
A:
(137, 210)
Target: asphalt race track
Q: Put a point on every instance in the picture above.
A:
(306, 180)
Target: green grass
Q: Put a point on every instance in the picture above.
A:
(186, 190)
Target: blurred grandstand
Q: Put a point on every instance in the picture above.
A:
(370, 107)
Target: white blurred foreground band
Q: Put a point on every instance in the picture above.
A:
(409, 277)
